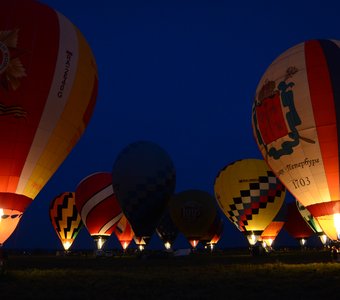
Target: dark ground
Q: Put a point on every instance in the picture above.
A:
(232, 274)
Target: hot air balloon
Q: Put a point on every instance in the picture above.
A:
(124, 232)
(214, 233)
(294, 118)
(167, 230)
(48, 89)
(312, 222)
(65, 218)
(250, 196)
(98, 206)
(269, 235)
(296, 226)
(193, 212)
(143, 178)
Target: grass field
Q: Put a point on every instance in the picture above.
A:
(221, 275)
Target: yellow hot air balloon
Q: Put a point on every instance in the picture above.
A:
(250, 196)
(65, 218)
(48, 89)
(295, 119)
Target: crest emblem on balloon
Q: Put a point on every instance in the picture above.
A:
(277, 99)
(295, 118)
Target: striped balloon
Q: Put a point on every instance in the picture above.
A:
(98, 206)
(48, 88)
(295, 117)
(124, 232)
(65, 218)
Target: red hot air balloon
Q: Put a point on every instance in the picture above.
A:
(98, 206)
(124, 232)
(296, 226)
(48, 88)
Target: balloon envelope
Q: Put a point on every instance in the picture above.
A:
(295, 117)
(214, 233)
(65, 218)
(143, 178)
(250, 196)
(193, 212)
(295, 225)
(48, 88)
(166, 229)
(312, 222)
(98, 206)
(124, 232)
(269, 235)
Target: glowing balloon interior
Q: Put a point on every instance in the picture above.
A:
(250, 196)
(124, 232)
(48, 89)
(65, 218)
(295, 120)
(98, 206)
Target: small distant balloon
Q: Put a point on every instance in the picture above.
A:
(296, 226)
(312, 222)
(65, 218)
(214, 233)
(193, 212)
(167, 230)
(124, 232)
(269, 235)
(144, 178)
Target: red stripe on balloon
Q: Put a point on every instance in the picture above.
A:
(14, 201)
(321, 94)
(324, 208)
(101, 214)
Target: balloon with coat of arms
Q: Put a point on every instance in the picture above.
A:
(295, 119)
(48, 89)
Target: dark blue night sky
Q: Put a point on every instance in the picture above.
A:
(181, 73)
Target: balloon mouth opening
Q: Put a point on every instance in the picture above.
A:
(336, 220)
(141, 242)
(167, 245)
(253, 238)
(194, 243)
(67, 245)
(100, 241)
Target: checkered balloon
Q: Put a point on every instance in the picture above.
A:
(249, 194)
(143, 177)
